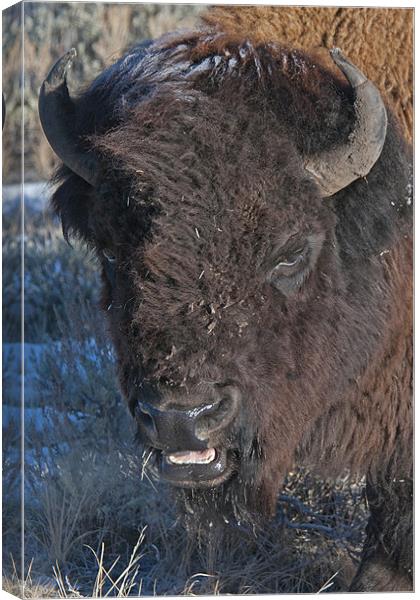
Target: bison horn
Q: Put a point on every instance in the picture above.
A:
(336, 168)
(56, 111)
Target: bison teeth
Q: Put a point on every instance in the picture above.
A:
(193, 457)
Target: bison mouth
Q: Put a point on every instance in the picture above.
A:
(196, 468)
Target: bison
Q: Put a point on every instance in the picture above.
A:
(251, 210)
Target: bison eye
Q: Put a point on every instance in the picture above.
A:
(290, 269)
(290, 261)
(109, 255)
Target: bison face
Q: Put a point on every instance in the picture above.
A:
(223, 282)
(212, 306)
(223, 310)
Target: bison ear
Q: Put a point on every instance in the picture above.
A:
(339, 166)
(70, 202)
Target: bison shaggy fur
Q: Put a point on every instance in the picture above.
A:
(201, 138)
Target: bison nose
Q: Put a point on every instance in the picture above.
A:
(177, 429)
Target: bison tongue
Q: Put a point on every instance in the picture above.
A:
(192, 457)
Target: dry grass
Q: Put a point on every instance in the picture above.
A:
(126, 583)
(28, 587)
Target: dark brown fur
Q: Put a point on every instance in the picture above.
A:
(202, 178)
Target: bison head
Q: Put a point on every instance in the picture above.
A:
(212, 178)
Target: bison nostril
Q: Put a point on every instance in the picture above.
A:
(219, 416)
